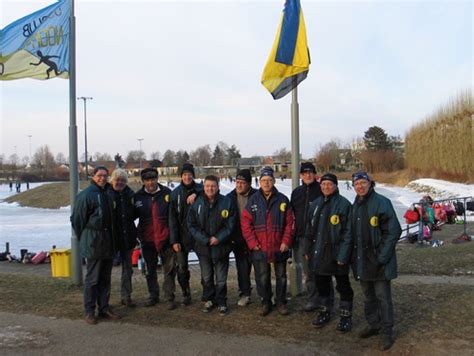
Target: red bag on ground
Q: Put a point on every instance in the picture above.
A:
(39, 258)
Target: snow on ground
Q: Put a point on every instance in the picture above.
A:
(40, 229)
(441, 189)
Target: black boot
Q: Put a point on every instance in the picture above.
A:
(323, 317)
(345, 323)
(345, 310)
(386, 341)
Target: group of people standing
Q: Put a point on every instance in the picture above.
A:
(323, 230)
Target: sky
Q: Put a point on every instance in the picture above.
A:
(182, 74)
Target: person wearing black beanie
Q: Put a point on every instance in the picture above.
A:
(301, 197)
(181, 200)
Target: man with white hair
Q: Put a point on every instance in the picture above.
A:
(125, 231)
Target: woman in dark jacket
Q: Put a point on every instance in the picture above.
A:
(328, 244)
(125, 231)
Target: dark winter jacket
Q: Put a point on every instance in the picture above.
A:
(125, 231)
(236, 236)
(151, 209)
(206, 220)
(92, 222)
(301, 197)
(328, 237)
(267, 224)
(376, 230)
(178, 214)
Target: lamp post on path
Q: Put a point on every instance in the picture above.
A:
(85, 98)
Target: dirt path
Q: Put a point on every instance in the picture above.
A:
(419, 279)
(21, 334)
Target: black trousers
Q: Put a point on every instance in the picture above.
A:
(343, 286)
(97, 285)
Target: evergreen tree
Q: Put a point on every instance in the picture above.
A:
(376, 139)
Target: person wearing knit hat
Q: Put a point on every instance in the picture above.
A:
(181, 200)
(267, 226)
(376, 231)
(301, 197)
(240, 196)
(328, 245)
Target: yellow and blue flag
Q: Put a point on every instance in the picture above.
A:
(288, 64)
(37, 46)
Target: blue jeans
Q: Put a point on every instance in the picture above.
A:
(263, 279)
(214, 279)
(378, 305)
(97, 285)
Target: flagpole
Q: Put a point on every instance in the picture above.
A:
(296, 270)
(76, 261)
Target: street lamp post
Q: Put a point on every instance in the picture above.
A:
(29, 138)
(85, 98)
(140, 141)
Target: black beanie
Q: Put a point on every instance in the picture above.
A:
(244, 174)
(187, 167)
(329, 176)
(149, 173)
(307, 167)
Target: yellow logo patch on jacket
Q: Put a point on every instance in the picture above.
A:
(283, 207)
(225, 213)
(374, 221)
(334, 219)
(167, 198)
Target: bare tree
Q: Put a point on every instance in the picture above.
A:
(43, 160)
(102, 156)
(282, 155)
(201, 156)
(60, 158)
(155, 155)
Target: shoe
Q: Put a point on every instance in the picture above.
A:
(186, 300)
(128, 303)
(345, 324)
(171, 305)
(282, 309)
(109, 314)
(151, 303)
(386, 342)
(322, 318)
(266, 309)
(310, 307)
(368, 332)
(244, 301)
(90, 319)
(208, 306)
(222, 310)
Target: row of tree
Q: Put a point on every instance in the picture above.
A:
(376, 152)
(442, 144)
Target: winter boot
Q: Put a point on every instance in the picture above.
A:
(345, 323)
(386, 341)
(323, 317)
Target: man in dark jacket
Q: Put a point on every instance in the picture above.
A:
(376, 230)
(267, 226)
(92, 223)
(301, 197)
(328, 244)
(181, 200)
(151, 209)
(211, 220)
(239, 196)
(125, 231)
